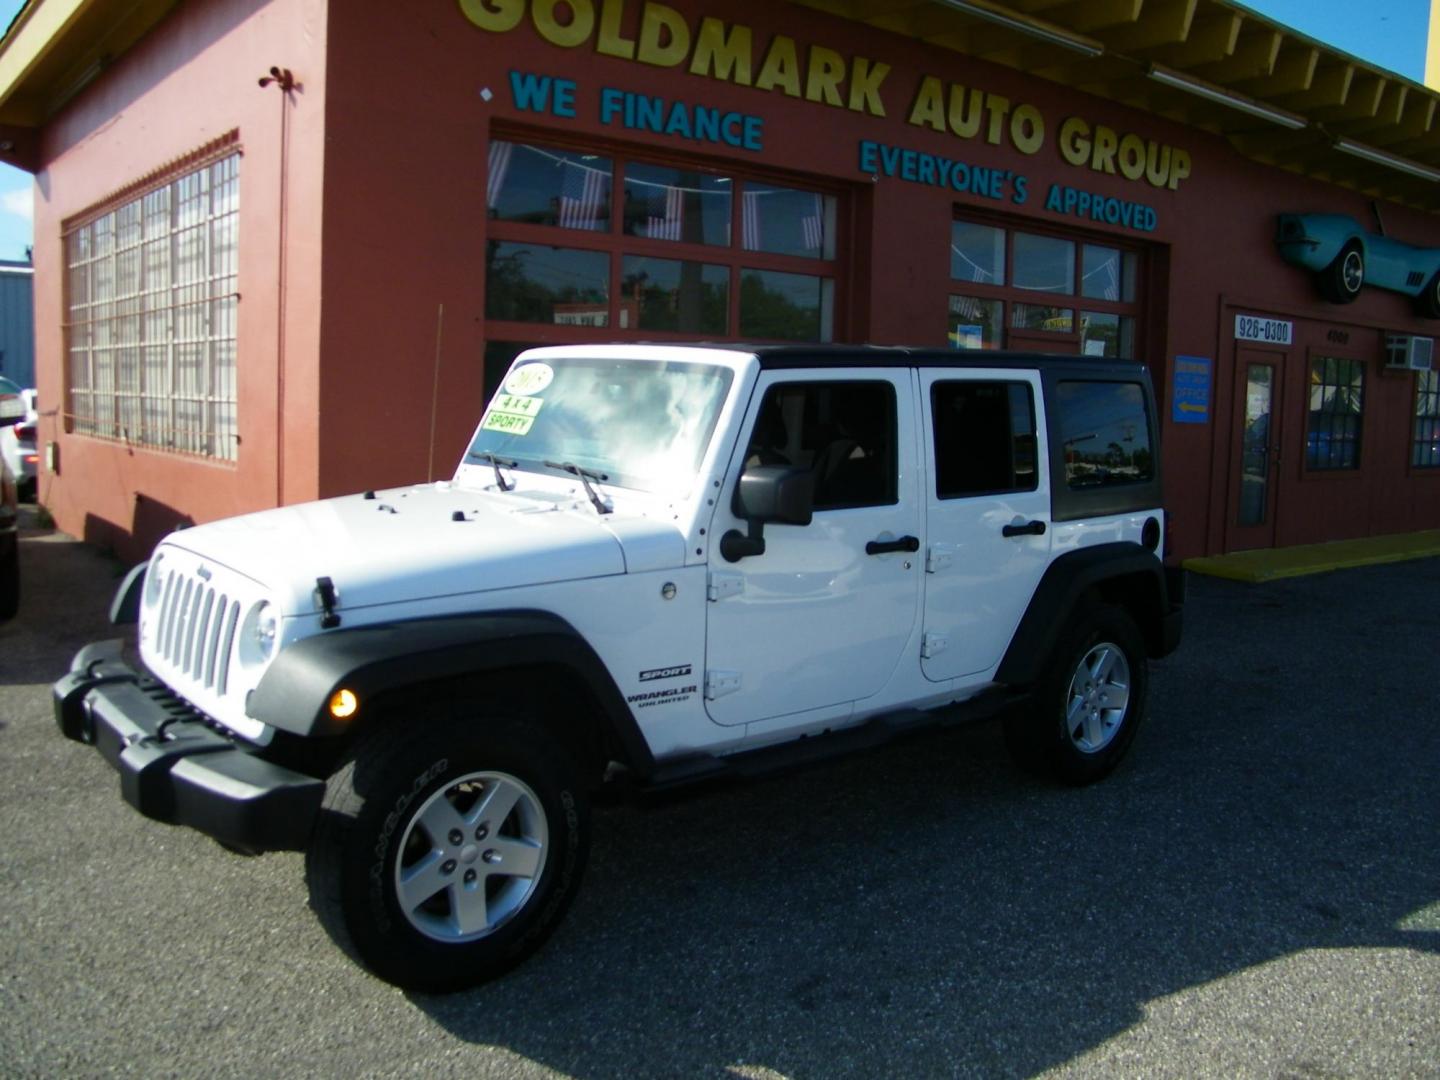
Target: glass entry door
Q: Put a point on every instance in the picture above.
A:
(1258, 409)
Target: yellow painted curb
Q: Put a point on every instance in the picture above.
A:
(1271, 564)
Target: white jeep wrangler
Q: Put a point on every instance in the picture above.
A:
(656, 563)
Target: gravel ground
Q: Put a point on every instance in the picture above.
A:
(1256, 892)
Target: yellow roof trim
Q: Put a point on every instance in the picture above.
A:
(37, 32)
(1432, 52)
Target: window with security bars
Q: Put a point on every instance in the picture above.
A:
(1425, 449)
(1337, 407)
(151, 299)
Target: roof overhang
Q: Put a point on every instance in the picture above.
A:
(54, 49)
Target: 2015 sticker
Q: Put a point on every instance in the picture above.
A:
(529, 379)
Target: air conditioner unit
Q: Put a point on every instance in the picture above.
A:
(1406, 353)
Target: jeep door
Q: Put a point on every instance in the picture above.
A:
(987, 506)
(823, 616)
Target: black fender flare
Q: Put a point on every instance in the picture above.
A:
(125, 607)
(1060, 592)
(294, 693)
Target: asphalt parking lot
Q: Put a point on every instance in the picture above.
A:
(1256, 892)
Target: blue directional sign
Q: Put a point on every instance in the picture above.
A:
(1190, 390)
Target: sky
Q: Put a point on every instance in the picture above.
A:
(1388, 33)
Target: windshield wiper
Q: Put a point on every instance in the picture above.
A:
(585, 475)
(495, 463)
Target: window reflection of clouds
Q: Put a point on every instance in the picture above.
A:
(977, 253)
(1044, 264)
(1101, 275)
(644, 425)
(1102, 408)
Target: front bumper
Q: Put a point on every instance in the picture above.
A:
(176, 769)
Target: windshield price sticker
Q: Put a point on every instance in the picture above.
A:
(529, 379)
(1270, 331)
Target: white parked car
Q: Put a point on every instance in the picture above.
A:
(17, 440)
(9, 531)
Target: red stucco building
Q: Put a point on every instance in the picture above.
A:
(283, 248)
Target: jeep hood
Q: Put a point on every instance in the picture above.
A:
(428, 541)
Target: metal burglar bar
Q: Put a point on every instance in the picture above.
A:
(150, 334)
(1425, 448)
(1337, 410)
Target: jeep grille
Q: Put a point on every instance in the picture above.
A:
(196, 631)
(190, 627)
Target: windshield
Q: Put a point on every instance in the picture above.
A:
(642, 425)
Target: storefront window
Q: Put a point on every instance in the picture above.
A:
(977, 253)
(1044, 264)
(1425, 450)
(785, 307)
(1007, 269)
(975, 323)
(541, 186)
(536, 284)
(1107, 274)
(667, 294)
(1042, 317)
(784, 221)
(1103, 334)
(1337, 407)
(651, 248)
(662, 203)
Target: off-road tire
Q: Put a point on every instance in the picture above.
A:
(1071, 730)
(374, 816)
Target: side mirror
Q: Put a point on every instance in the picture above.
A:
(779, 495)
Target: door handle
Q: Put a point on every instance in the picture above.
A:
(882, 547)
(1030, 528)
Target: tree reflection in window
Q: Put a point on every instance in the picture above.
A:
(784, 307)
(534, 283)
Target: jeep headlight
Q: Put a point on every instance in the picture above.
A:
(259, 634)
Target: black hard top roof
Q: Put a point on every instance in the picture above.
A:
(806, 356)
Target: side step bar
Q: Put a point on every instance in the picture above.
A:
(810, 750)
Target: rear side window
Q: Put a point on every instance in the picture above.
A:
(1104, 434)
(984, 438)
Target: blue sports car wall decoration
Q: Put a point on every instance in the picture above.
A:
(1345, 258)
